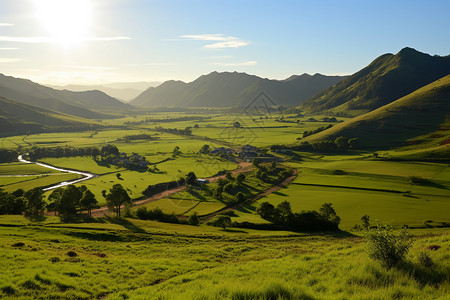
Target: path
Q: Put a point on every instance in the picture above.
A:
(243, 168)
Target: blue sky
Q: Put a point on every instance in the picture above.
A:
(98, 41)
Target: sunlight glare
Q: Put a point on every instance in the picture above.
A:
(67, 21)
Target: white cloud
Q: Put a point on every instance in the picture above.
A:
(9, 60)
(93, 68)
(246, 63)
(221, 40)
(48, 39)
(220, 57)
(6, 24)
(9, 48)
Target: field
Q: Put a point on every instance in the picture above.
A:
(142, 259)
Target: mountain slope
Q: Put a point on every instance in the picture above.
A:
(234, 89)
(422, 117)
(21, 118)
(386, 79)
(82, 104)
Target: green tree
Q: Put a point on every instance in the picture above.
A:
(117, 197)
(265, 210)
(176, 151)
(194, 219)
(386, 246)
(228, 188)
(218, 192)
(35, 202)
(240, 179)
(229, 176)
(222, 221)
(328, 213)
(205, 149)
(284, 210)
(191, 178)
(70, 200)
(55, 199)
(341, 142)
(88, 201)
(353, 143)
(256, 162)
(239, 198)
(365, 221)
(236, 124)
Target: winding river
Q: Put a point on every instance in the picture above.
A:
(85, 175)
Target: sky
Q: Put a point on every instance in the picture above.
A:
(100, 41)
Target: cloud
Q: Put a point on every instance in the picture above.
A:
(93, 68)
(6, 24)
(48, 39)
(221, 40)
(9, 60)
(246, 63)
(9, 48)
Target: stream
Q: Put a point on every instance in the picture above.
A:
(64, 183)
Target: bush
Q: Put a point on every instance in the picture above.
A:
(425, 260)
(387, 247)
(193, 219)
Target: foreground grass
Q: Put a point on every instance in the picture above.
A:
(149, 260)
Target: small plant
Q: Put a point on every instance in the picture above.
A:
(387, 247)
(72, 254)
(425, 260)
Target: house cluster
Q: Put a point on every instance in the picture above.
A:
(133, 161)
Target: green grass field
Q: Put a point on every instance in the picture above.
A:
(146, 260)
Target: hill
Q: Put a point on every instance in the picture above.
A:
(420, 118)
(126, 91)
(386, 79)
(90, 104)
(18, 118)
(233, 89)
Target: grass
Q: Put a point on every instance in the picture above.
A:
(145, 260)
(41, 181)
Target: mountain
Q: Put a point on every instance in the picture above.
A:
(420, 118)
(17, 118)
(121, 90)
(386, 79)
(233, 89)
(90, 104)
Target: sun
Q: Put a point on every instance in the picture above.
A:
(67, 22)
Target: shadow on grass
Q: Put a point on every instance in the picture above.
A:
(125, 223)
(234, 230)
(433, 276)
(279, 193)
(36, 218)
(102, 163)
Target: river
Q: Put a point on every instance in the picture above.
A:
(64, 183)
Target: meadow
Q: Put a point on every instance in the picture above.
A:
(136, 259)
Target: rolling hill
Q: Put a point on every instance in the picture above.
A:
(421, 118)
(19, 118)
(233, 89)
(386, 79)
(90, 104)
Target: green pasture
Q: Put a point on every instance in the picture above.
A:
(134, 259)
(41, 181)
(19, 168)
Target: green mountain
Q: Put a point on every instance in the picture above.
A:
(386, 79)
(90, 104)
(420, 119)
(234, 90)
(18, 118)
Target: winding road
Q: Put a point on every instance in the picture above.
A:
(61, 184)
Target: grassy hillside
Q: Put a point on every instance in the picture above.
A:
(424, 113)
(90, 104)
(234, 89)
(386, 79)
(16, 118)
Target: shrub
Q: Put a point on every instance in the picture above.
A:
(387, 247)
(425, 260)
(221, 221)
(193, 219)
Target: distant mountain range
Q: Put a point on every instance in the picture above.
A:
(125, 91)
(234, 90)
(421, 117)
(386, 79)
(89, 104)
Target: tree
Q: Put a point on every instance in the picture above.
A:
(88, 201)
(366, 221)
(109, 150)
(117, 197)
(205, 149)
(264, 177)
(176, 151)
(222, 221)
(256, 162)
(229, 176)
(193, 219)
(191, 178)
(265, 210)
(236, 124)
(353, 143)
(70, 200)
(228, 188)
(35, 202)
(328, 213)
(239, 198)
(55, 199)
(284, 210)
(240, 179)
(387, 247)
(341, 142)
(218, 192)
